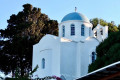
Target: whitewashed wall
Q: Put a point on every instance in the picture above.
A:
(69, 56)
(88, 46)
(68, 60)
(105, 32)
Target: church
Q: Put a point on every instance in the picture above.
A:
(69, 54)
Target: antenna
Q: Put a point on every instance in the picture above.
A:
(75, 9)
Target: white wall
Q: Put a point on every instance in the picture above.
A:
(47, 48)
(47, 55)
(68, 60)
(69, 57)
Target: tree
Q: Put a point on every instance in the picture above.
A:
(94, 21)
(23, 31)
(107, 52)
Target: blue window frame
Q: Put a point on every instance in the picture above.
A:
(43, 63)
(101, 31)
(63, 31)
(82, 30)
(93, 56)
(72, 29)
(95, 33)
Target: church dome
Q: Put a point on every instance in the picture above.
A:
(75, 16)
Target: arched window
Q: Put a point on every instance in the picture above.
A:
(93, 56)
(63, 31)
(89, 31)
(82, 30)
(101, 31)
(95, 33)
(43, 63)
(62, 77)
(72, 29)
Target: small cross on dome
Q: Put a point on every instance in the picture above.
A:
(75, 9)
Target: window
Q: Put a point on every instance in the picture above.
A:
(93, 56)
(89, 31)
(72, 29)
(82, 30)
(101, 31)
(63, 31)
(43, 63)
(95, 33)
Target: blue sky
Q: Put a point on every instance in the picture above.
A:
(108, 10)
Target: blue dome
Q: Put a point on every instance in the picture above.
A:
(75, 16)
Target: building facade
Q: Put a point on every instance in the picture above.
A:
(69, 54)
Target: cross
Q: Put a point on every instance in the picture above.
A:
(75, 9)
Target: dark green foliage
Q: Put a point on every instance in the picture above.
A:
(94, 22)
(119, 27)
(26, 76)
(23, 31)
(107, 52)
(111, 26)
(16, 53)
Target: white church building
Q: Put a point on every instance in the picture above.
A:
(69, 54)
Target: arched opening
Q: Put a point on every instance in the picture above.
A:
(72, 29)
(43, 63)
(63, 31)
(82, 30)
(93, 56)
(101, 31)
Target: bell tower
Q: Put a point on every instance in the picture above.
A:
(100, 32)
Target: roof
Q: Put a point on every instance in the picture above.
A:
(110, 72)
(75, 16)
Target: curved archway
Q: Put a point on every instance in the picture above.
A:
(95, 33)
(82, 30)
(43, 63)
(93, 56)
